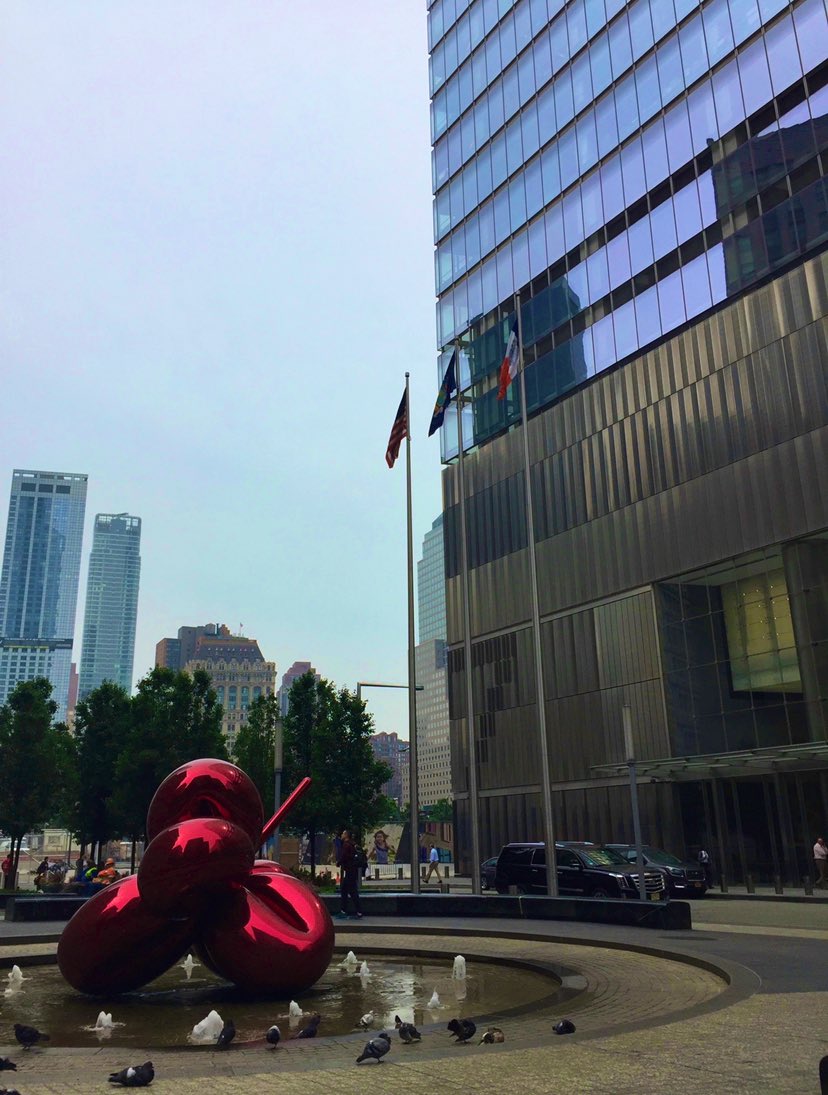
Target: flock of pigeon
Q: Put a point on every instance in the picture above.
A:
(462, 1030)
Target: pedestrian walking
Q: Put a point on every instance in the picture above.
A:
(704, 863)
(349, 869)
(821, 861)
(433, 863)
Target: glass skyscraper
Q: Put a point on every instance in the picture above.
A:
(645, 181)
(433, 754)
(39, 580)
(111, 602)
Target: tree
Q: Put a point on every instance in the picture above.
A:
(442, 810)
(255, 744)
(174, 718)
(32, 750)
(102, 726)
(326, 736)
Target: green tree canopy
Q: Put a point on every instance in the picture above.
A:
(31, 751)
(327, 737)
(442, 810)
(102, 727)
(174, 718)
(254, 747)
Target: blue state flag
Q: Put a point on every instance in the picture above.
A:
(447, 390)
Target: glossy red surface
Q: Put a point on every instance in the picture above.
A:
(115, 944)
(275, 935)
(207, 788)
(198, 886)
(191, 862)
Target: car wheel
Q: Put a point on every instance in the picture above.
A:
(602, 893)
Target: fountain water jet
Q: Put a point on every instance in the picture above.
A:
(188, 965)
(459, 969)
(364, 972)
(434, 1002)
(208, 1029)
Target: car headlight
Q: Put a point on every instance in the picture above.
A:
(624, 879)
(675, 870)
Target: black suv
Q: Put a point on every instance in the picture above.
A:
(585, 870)
(683, 879)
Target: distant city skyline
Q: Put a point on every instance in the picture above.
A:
(217, 269)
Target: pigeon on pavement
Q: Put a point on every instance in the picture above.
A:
(29, 1036)
(7, 1064)
(134, 1075)
(228, 1033)
(9, 1091)
(310, 1028)
(273, 1036)
(492, 1035)
(376, 1049)
(408, 1032)
(565, 1026)
(823, 1075)
(462, 1029)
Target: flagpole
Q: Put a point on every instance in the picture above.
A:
(412, 683)
(467, 643)
(546, 779)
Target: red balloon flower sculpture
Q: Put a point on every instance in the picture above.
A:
(200, 885)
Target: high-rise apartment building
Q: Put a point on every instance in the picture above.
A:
(433, 752)
(393, 751)
(642, 184)
(111, 608)
(39, 580)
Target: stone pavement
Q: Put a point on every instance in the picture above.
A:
(645, 1022)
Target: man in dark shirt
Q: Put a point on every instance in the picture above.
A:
(349, 876)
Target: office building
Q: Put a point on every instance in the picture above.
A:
(111, 610)
(642, 183)
(39, 580)
(175, 653)
(433, 751)
(238, 671)
(391, 750)
(298, 669)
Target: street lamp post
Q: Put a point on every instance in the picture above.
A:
(278, 765)
(412, 783)
(629, 749)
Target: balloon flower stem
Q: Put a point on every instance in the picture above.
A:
(285, 808)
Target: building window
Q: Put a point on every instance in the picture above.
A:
(231, 697)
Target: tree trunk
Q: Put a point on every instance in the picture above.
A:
(134, 850)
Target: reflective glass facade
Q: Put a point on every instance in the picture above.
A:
(111, 608)
(433, 753)
(623, 167)
(39, 580)
(645, 181)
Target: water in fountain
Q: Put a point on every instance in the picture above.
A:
(16, 980)
(364, 972)
(208, 1029)
(104, 1021)
(434, 1002)
(188, 965)
(350, 961)
(294, 1011)
(459, 969)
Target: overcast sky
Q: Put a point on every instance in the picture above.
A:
(216, 269)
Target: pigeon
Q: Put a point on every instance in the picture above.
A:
(28, 1036)
(408, 1032)
(492, 1035)
(565, 1026)
(273, 1036)
(228, 1033)
(367, 1021)
(309, 1029)
(823, 1075)
(7, 1065)
(462, 1029)
(376, 1049)
(9, 1091)
(134, 1076)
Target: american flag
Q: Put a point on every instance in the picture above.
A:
(509, 368)
(399, 431)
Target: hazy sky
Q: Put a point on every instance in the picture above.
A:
(216, 268)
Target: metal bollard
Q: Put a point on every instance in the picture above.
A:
(376, 874)
(723, 883)
(399, 872)
(777, 883)
(808, 885)
(749, 884)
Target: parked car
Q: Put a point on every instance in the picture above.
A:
(487, 873)
(683, 879)
(584, 870)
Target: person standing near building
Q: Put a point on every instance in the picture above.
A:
(433, 863)
(349, 876)
(704, 863)
(821, 861)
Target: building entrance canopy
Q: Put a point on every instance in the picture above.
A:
(787, 758)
